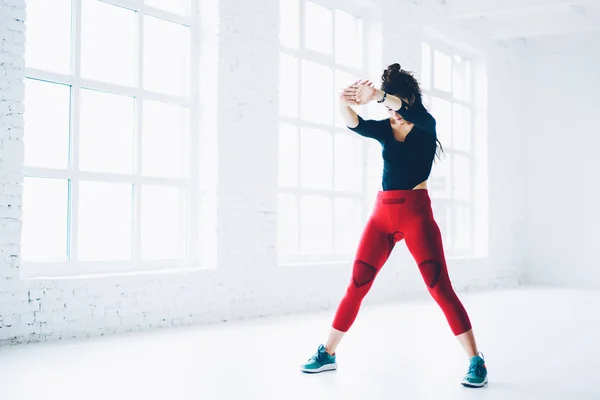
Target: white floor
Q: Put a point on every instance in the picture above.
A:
(538, 343)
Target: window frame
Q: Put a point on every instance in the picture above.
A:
(451, 202)
(302, 53)
(191, 256)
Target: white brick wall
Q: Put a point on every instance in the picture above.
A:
(12, 294)
(241, 115)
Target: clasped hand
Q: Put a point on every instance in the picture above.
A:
(359, 93)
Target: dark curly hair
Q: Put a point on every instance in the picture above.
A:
(403, 84)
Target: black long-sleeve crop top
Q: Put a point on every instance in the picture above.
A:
(405, 164)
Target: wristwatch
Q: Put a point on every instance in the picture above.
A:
(383, 98)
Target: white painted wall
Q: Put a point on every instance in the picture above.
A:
(245, 280)
(562, 145)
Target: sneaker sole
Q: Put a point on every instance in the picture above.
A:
(474, 385)
(327, 367)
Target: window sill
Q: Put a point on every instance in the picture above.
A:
(473, 257)
(343, 262)
(71, 270)
(308, 263)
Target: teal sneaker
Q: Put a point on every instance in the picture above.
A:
(319, 362)
(477, 375)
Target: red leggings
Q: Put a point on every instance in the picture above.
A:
(402, 214)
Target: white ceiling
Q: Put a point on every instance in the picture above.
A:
(509, 19)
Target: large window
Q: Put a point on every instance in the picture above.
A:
(321, 162)
(447, 83)
(109, 173)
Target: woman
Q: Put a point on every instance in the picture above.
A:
(402, 211)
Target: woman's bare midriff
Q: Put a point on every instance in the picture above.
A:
(422, 185)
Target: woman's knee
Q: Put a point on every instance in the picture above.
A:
(443, 293)
(363, 274)
(431, 271)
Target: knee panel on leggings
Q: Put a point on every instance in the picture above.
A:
(363, 273)
(431, 271)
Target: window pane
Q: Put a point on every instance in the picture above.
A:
(166, 57)
(289, 154)
(461, 75)
(462, 235)
(442, 76)
(316, 229)
(462, 178)
(48, 45)
(316, 159)
(425, 66)
(426, 101)
(108, 54)
(440, 180)
(163, 219)
(468, 79)
(317, 93)
(105, 221)
(374, 170)
(318, 29)
(348, 163)
(160, 157)
(342, 80)
(47, 122)
(45, 219)
(287, 224)
(289, 74)
(106, 143)
(441, 213)
(347, 225)
(348, 39)
(181, 7)
(289, 23)
(442, 112)
(461, 127)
